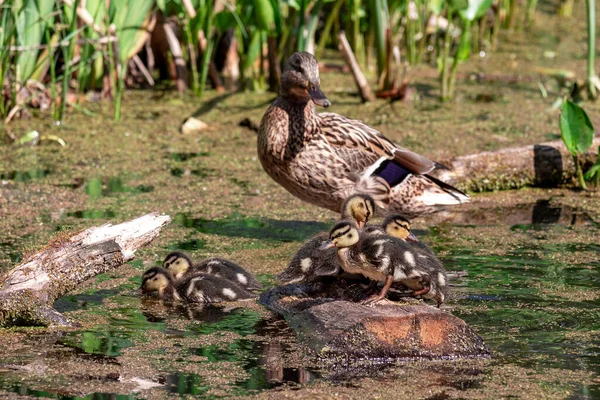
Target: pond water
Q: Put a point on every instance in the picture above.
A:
(529, 259)
(533, 296)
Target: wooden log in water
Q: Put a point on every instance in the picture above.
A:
(28, 291)
(337, 328)
(546, 164)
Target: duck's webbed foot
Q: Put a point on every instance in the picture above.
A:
(382, 294)
(372, 299)
(421, 292)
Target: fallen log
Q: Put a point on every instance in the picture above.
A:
(28, 291)
(546, 164)
(336, 328)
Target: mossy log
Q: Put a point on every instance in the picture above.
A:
(29, 290)
(336, 328)
(546, 164)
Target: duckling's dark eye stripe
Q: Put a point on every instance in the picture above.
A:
(337, 235)
(149, 276)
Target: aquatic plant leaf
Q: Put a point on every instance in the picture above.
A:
(31, 137)
(435, 6)
(225, 20)
(264, 16)
(458, 4)
(594, 169)
(464, 47)
(31, 25)
(475, 9)
(253, 50)
(576, 129)
(129, 17)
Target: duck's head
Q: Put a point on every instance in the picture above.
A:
(177, 263)
(343, 234)
(359, 207)
(399, 227)
(156, 279)
(300, 80)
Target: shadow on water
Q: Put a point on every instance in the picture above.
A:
(25, 176)
(98, 187)
(238, 225)
(527, 215)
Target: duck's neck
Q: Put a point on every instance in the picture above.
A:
(303, 117)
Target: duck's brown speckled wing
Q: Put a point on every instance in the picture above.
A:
(351, 133)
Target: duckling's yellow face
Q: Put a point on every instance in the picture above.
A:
(176, 264)
(342, 235)
(155, 281)
(399, 228)
(360, 208)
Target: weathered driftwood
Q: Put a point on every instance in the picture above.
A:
(28, 291)
(544, 164)
(343, 329)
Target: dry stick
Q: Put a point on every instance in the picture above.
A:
(143, 70)
(29, 290)
(544, 164)
(175, 48)
(274, 68)
(363, 86)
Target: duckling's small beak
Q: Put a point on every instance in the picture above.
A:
(360, 224)
(317, 96)
(138, 292)
(328, 244)
(411, 237)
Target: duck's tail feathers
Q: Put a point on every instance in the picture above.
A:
(443, 194)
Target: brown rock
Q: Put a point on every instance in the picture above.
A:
(388, 329)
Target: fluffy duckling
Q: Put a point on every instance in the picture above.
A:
(387, 259)
(309, 262)
(181, 266)
(358, 207)
(200, 288)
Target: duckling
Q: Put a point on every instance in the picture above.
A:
(387, 259)
(358, 207)
(309, 262)
(199, 288)
(181, 266)
(321, 158)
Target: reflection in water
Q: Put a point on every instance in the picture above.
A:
(238, 225)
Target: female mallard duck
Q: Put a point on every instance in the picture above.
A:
(309, 262)
(200, 288)
(323, 158)
(386, 259)
(181, 266)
